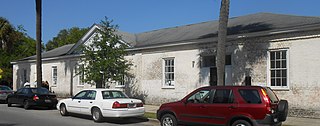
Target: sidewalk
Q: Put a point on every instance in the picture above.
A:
(291, 121)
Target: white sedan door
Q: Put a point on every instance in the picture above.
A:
(74, 105)
(87, 102)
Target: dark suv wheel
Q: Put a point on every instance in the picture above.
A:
(168, 120)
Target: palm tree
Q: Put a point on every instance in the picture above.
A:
(6, 35)
(38, 27)
(222, 37)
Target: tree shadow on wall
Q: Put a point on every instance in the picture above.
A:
(248, 55)
(133, 90)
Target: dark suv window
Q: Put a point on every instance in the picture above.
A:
(223, 96)
(251, 96)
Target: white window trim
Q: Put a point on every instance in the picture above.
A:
(269, 69)
(164, 86)
(80, 83)
(119, 86)
(52, 75)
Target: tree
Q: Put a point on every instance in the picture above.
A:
(15, 44)
(66, 36)
(7, 32)
(222, 37)
(104, 57)
(38, 29)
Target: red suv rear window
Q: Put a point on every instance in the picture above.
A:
(251, 96)
(272, 95)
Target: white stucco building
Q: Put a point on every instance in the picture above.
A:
(279, 51)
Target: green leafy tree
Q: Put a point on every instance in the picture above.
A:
(104, 57)
(15, 44)
(7, 35)
(66, 36)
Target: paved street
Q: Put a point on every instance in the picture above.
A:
(17, 116)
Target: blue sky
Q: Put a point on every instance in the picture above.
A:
(137, 16)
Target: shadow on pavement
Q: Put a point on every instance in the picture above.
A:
(33, 107)
(7, 124)
(127, 120)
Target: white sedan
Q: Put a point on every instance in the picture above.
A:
(101, 103)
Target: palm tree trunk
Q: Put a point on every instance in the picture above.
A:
(222, 37)
(38, 27)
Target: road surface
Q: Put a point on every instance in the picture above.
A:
(17, 116)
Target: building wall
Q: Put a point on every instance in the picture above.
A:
(251, 59)
(67, 80)
(304, 85)
(148, 74)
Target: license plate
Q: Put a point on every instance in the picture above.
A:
(131, 105)
(47, 101)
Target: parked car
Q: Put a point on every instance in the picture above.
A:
(101, 103)
(226, 105)
(4, 92)
(29, 97)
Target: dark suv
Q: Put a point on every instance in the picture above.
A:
(226, 105)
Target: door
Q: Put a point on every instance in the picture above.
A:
(213, 76)
(23, 95)
(222, 106)
(195, 110)
(75, 104)
(87, 102)
(14, 97)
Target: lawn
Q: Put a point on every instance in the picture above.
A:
(150, 115)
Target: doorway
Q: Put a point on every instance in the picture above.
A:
(213, 76)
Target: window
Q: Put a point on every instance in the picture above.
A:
(24, 75)
(54, 75)
(278, 68)
(122, 82)
(169, 72)
(91, 95)
(40, 91)
(210, 61)
(113, 94)
(202, 96)
(80, 95)
(80, 75)
(223, 96)
(251, 96)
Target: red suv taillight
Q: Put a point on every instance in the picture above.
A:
(35, 98)
(116, 104)
(268, 101)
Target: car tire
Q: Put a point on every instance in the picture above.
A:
(241, 123)
(96, 115)
(168, 120)
(8, 103)
(283, 110)
(63, 110)
(26, 104)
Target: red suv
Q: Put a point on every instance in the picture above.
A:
(226, 105)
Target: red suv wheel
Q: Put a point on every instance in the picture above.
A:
(168, 120)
